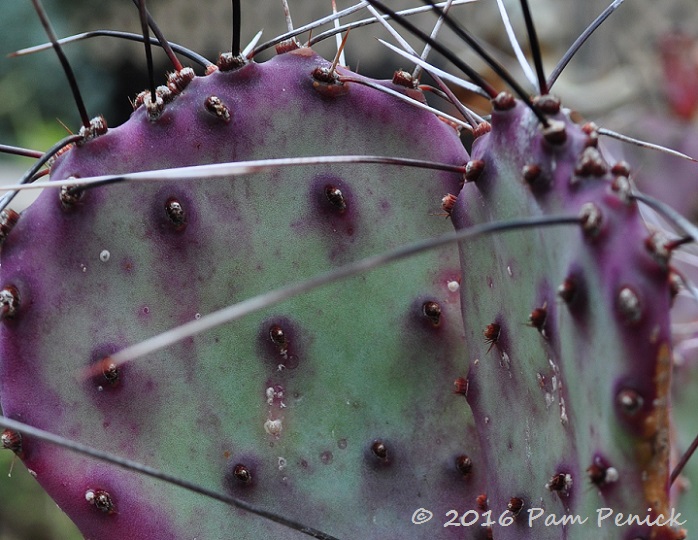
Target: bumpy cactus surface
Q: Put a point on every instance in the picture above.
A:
(514, 385)
(580, 350)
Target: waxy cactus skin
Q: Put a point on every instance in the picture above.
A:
(526, 369)
(582, 354)
(294, 407)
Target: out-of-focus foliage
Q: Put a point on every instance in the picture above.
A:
(26, 512)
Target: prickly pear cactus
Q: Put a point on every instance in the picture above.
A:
(571, 326)
(302, 407)
(512, 386)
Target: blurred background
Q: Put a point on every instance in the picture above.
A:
(617, 79)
